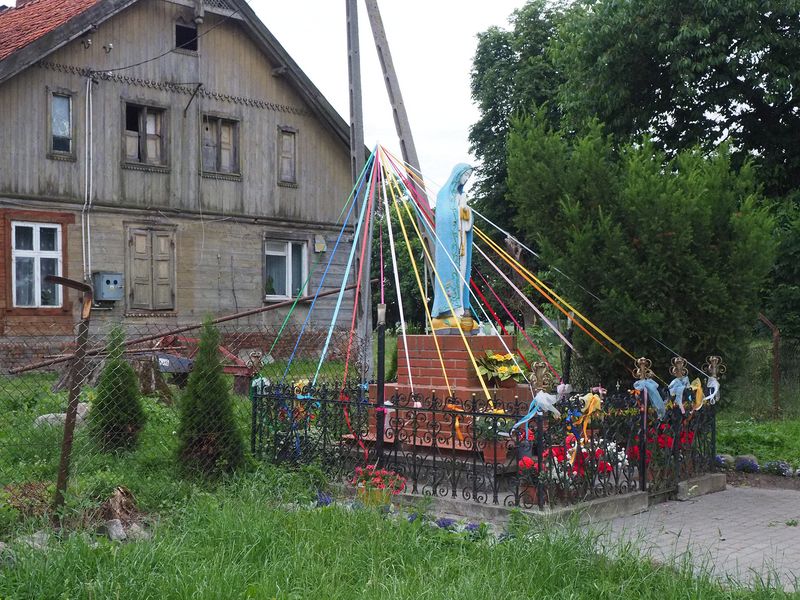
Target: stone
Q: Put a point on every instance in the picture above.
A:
(797, 473)
(115, 530)
(725, 461)
(38, 541)
(53, 419)
(7, 558)
(138, 533)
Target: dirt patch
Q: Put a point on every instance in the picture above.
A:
(32, 499)
(762, 480)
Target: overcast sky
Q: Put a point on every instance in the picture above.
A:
(432, 44)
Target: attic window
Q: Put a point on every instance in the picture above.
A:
(186, 37)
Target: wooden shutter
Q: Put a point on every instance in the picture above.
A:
(153, 132)
(163, 270)
(226, 152)
(140, 269)
(210, 146)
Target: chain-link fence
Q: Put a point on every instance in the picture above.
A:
(150, 403)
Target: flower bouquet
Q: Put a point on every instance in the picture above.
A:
(501, 369)
(374, 486)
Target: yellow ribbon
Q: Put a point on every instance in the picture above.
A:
(699, 396)
(592, 403)
(455, 408)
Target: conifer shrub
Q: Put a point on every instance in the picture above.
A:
(210, 442)
(116, 417)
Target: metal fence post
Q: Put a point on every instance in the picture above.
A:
(540, 458)
(643, 445)
(380, 411)
(75, 381)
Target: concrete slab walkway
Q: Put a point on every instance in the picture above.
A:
(746, 534)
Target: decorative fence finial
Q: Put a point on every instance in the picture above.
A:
(714, 366)
(540, 377)
(643, 368)
(678, 368)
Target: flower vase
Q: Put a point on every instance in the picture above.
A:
(505, 383)
(495, 452)
(373, 497)
(528, 494)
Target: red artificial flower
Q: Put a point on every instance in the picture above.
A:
(604, 467)
(526, 463)
(687, 438)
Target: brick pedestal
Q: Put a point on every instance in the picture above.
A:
(426, 369)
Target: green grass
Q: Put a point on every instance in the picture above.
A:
(766, 440)
(234, 538)
(238, 542)
(746, 423)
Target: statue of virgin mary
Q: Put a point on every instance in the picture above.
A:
(453, 255)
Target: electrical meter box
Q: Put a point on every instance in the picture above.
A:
(108, 286)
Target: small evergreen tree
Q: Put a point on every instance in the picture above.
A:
(210, 441)
(116, 417)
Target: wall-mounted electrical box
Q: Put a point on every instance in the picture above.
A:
(108, 286)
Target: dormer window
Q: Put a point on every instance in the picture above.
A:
(186, 36)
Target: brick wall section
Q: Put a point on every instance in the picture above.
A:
(21, 352)
(426, 369)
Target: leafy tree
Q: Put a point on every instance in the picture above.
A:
(210, 440)
(784, 293)
(690, 72)
(116, 416)
(675, 248)
(687, 74)
(512, 72)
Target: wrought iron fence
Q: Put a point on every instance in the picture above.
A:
(448, 446)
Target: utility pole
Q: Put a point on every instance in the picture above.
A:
(401, 123)
(356, 166)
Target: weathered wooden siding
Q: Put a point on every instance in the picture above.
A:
(220, 223)
(236, 78)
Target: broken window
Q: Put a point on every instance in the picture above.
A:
(220, 145)
(285, 269)
(186, 37)
(287, 155)
(35, 254)
(144, 140)
(61, 123)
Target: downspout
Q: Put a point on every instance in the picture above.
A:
(85, 246)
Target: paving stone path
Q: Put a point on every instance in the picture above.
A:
(747, 534)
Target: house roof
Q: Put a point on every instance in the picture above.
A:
(31, 20)
(36, 28)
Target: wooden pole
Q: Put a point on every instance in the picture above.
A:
(776, 363)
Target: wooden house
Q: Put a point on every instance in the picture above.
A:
(169, 151)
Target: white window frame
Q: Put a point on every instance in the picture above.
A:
(37, 255)
(287, 254)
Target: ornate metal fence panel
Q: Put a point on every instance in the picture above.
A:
(468, 449)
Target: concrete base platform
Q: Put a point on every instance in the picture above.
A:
(700, 486)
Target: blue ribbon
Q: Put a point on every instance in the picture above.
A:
(676, 388)
(653, 395)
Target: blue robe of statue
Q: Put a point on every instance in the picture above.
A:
(453, 256)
